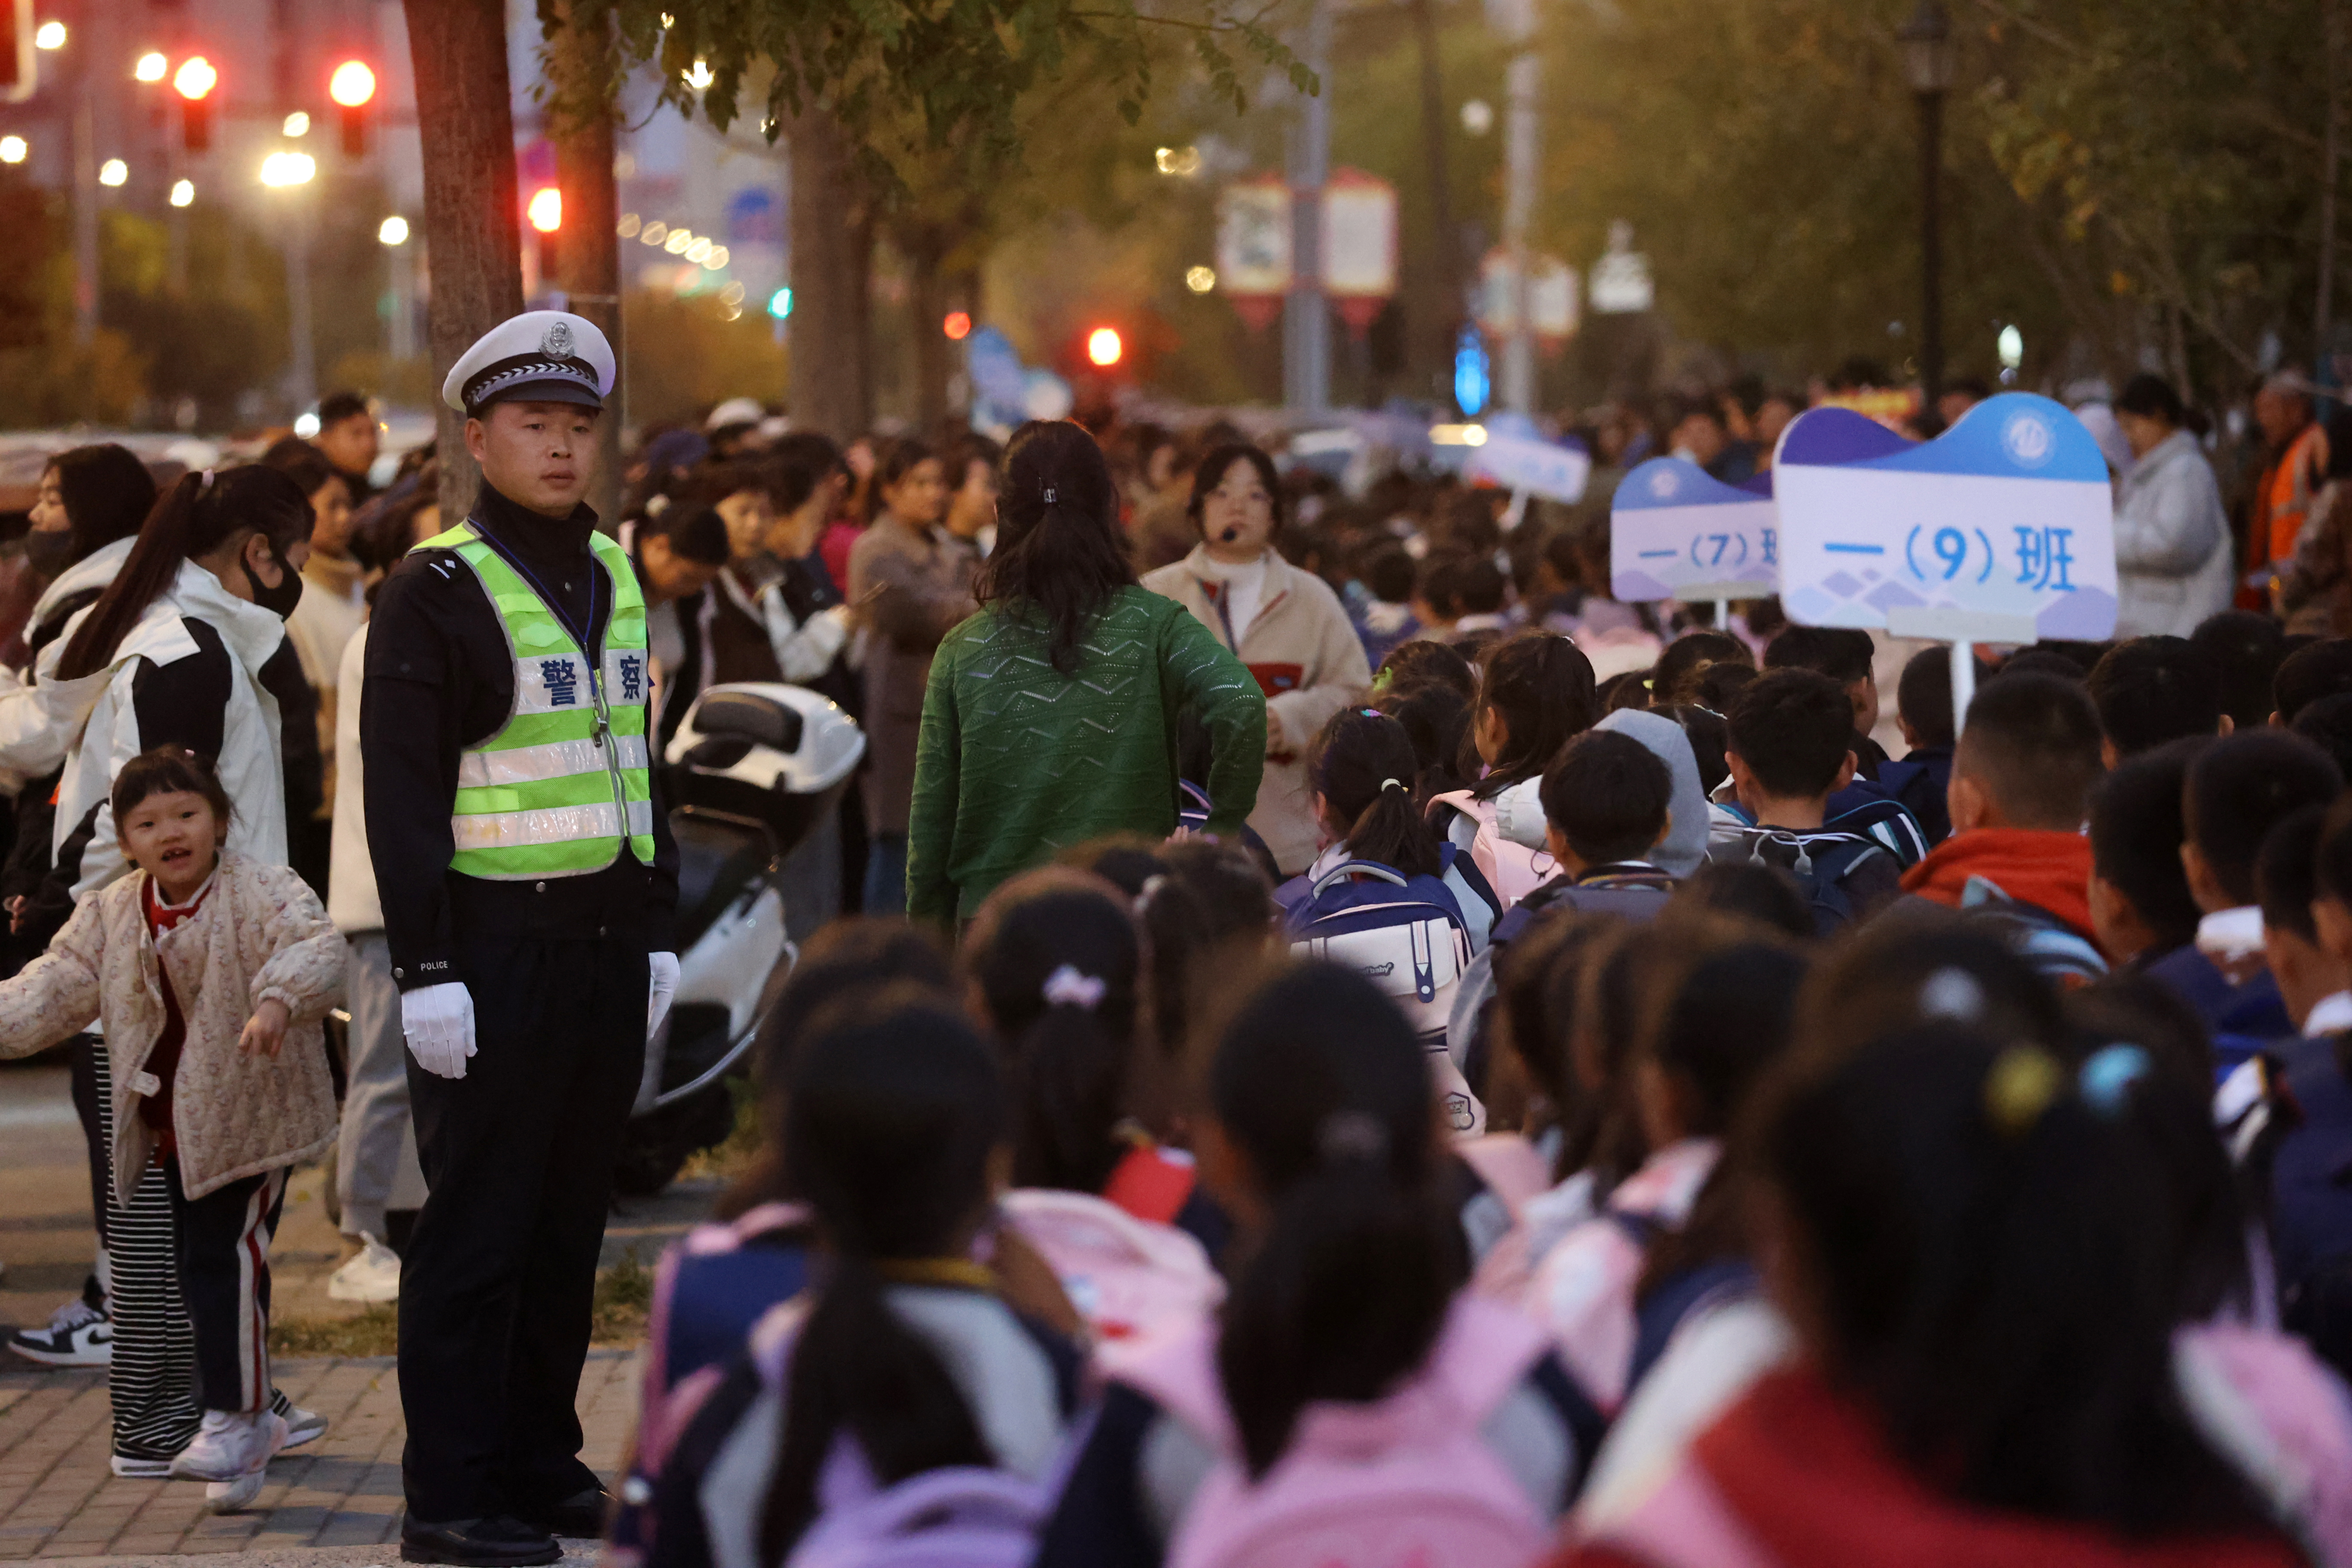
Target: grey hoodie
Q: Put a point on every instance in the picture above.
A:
(1518, 811)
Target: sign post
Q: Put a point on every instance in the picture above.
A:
(2000, 530)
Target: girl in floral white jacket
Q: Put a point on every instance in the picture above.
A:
(210, 974)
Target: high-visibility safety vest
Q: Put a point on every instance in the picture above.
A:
(566, 782)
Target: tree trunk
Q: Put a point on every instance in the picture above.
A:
(472, 231)
(831, 389)
(589, 258)
(927, 294)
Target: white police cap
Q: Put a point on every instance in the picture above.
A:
(545, 356)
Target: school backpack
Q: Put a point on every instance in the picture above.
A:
(1125, 1276)
(2281, 1419)
(963, 1516)
(1512, 869)
(1822, 863)
(1407, 1481)
(1407, 936)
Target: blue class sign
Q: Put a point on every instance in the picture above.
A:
(1999, 530)
(1555, 471)
(1676, 531)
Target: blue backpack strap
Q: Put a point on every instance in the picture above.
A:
(1657, 1315)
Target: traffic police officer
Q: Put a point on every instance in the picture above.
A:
(529, 879)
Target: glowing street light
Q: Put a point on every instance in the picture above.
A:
(393, 230)
(298, 124)
(700, 76)
(282, 169)
(779, 303)
(1104, 348)
(151, 66)
(717, 260)
(113, 171)
(957, 326)
(183, 193)
(546, 209)
(13, 149)
(1200, 279)
(50, 35)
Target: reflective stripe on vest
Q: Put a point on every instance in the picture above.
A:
(567, 779)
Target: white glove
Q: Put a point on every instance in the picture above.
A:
(439, 1023)
(662, 976)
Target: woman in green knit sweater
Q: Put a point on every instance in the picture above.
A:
(1050, 718)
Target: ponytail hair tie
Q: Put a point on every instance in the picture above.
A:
(1151, 886)
(1049, 495)
(2107, 1076)
(205, 483)
(1387, 785)
(2024, 1081)
(1065, 987)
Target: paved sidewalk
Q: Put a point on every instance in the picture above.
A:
(333, 1503)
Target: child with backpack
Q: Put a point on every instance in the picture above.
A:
(1353, 1406)
(210, 974)
(1789, 749)
(1056, 968)
(1727, 1023)
(902, 1404)
(1978, 1244)
(2022, 780)
(1535, 691)
(1387, 896)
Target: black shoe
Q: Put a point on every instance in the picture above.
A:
(498, 1542)
(582, 1516)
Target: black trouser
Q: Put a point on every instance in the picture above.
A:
(496, 1288)
(221, 1244)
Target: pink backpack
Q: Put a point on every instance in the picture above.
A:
(959, 1517)
(1512, 870)
(1125, 1276)
(1407, 1482)
(2283, 1420)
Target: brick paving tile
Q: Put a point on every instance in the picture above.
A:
(58, 1499)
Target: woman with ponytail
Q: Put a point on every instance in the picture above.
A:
(904, 1358)
(1367, 807)
(1051, 716)
(1057, 974)
(1351, 1390)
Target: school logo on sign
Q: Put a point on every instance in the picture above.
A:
(2027, 439)
(1665, 483)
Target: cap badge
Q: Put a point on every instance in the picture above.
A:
(557, 343)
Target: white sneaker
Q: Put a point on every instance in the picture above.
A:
(303, 1426)
(230, 1445)
(233, 1496)
(372, 1275)
(78, 1335)
(132, 1470)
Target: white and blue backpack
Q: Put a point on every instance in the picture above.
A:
(1408, 937)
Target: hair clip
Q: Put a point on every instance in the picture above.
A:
(2109, 1075)
(1351, 1137)
(1049, 495)
(2024, 1081)
(1151, 886)
(1382, 679)
(1952, 993)
(205, 484)
(1065, 987)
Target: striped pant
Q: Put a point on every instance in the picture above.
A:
(153, 1382)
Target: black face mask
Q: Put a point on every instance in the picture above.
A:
(288, 592)
(49, 553)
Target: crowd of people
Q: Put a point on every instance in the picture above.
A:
(1327, 1038)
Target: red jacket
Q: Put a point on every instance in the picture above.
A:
(1795, 1477)
(2048, 869)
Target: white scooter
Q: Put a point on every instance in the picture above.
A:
(754, 768)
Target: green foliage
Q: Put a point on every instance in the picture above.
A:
(682, 355)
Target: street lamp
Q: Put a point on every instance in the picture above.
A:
(151, 66)
(1928, 66)
(285, 169)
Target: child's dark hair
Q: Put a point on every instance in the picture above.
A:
(2246, 650)
(1998, 1278)
(2032, 741)
(1923, 696)
(2314, 670)
(1609, 795)
(1728, 1020)
(896, 1104)
(1423, 662)
(163, 770)
(2152, 690)
(1364, 769)
(1436, 719)
(1689, 656)
(1912, 967)
(1792, 728)
(1542, 687)
(2137, 827)
(1319, 1082)
(1056, 958)
(2328, 724)
(845, 959)
(2284, 871)
(1842, 653)
(1763, 893)
(2242, 786)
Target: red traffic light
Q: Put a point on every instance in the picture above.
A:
(352, 84)
(1104, 348)
(957, 326)
(195, 81)
(546, 209)
(195, 78)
